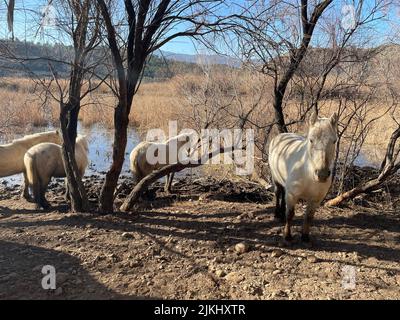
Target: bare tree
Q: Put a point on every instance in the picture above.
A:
(84, 27)
(79, 21)
(149, 24)
(275, 37)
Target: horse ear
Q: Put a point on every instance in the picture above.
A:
(313, 118)
(334, 120)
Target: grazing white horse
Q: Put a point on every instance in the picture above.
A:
(301, 169)
(141, 166)
(12, 154)
(44, 161)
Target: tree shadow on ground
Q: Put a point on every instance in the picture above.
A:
(225, 230)
(21, 275)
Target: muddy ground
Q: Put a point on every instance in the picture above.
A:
(184, 246)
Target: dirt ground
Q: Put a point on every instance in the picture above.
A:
(184, 246)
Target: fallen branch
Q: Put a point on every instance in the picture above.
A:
(388, 168)
(155, 175)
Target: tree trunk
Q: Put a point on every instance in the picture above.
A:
(72, 125)
(279, 116)
(75, 188)
(296, 57)
(121, 122)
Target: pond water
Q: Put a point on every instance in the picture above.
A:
(100, 149)
(100, 152)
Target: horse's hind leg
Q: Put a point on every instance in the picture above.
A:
(42, 194)
(280, 206)
(168, 183)
(25, 190)
(308, 218)
(283, 204)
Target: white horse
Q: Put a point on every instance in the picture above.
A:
(141, 166)
(301, 169)
(12, 154)
(44, 161)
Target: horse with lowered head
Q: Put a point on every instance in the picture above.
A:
(140, 164)
(44, 161)
(12, 154)
(301, 169)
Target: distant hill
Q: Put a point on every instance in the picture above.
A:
(201, 58)
(32, 58)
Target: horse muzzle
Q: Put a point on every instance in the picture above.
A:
(323, 175)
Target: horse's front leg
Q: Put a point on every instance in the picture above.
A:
(290, 206)
(308, 219)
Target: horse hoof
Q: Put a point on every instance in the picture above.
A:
(287, 243)
(306, 240)
(279, 218)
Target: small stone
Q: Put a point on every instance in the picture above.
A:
(127, 236)
(37, 268)
(277, 253)
(241, 247)
(234, 277)
(279, 294)
(276, 272)
(58, 291)
(134, 264)
(312, 259)
(220, 273)
(61, 277)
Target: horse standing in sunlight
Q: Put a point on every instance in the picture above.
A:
(140, 165)
(301, 169)
(44, 161)
(12, 154)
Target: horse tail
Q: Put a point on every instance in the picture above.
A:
(33, 177)
(136, 169)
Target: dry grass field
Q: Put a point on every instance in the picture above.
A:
(216, 100)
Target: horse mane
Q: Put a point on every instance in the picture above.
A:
(33, 136)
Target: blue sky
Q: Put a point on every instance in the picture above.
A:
(26, 27)
(27, 18)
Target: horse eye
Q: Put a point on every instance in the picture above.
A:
(311, 140)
